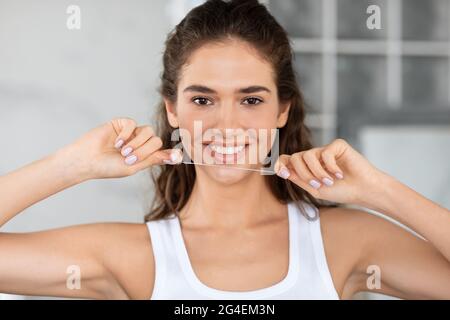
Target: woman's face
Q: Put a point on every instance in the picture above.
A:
(226, 102)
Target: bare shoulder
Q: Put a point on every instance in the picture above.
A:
(344, 215)
(115, 261)
(346, 233)
(356, 240)
(356, 227)
(349, 224)
(126, 252)
(344, 225)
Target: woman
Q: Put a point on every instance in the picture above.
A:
(216, 232)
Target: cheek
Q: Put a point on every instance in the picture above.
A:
(266, 128)
(190, 118)
(263, 116)
(264, 122)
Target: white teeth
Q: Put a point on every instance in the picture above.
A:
(226, 150)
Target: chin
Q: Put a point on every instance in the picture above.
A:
(226, 175)
(226, 158)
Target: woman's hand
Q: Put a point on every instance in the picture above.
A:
(118, 148)
(335, 172)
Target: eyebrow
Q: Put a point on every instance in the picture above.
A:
(203, 89)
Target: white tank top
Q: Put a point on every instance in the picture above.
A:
(308, 276)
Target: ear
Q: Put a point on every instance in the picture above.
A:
(171, 114)
(283, 116)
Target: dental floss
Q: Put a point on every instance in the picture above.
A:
(237, 168)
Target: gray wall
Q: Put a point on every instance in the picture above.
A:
(55, 84)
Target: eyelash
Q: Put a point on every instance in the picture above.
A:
(196, 98)
(259, 101)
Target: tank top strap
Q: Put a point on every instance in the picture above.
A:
(312, 253)
(164, 254)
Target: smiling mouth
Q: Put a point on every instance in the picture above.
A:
(222, 150)
(223, 154)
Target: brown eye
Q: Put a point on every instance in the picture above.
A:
(201, 101)
(252, 101)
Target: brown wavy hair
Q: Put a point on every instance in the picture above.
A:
(215, 21)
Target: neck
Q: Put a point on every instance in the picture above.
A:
(239, 205)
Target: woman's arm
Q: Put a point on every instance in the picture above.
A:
(369, 253)
(405, 205)
(39, 180)
(94, 261)
(97, 154)
(37, 263)
(410, 267)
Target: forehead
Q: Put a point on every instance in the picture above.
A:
(225, 65)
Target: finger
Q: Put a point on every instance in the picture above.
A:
(125, 128)
(159, 157)
(281, 164)
(303, 171)
(285, 162)
(150, 153)
(329, 160)
(143, 134)
(284, 167)
(311, 159)
(143, 152)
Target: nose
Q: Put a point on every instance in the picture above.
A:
(228, 116)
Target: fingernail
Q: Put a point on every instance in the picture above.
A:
(131, 159)
(339, 175)
(118, 144)
(175, 156)
(327, 181)
(168, 162)
(315, 184)
(126, 151)
(284, 173)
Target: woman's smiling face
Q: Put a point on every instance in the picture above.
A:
(229, 90)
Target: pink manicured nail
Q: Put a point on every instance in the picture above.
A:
(339, 175)
(175, 157)
(284, 173)
(327, 181)
(315, 184)
(131, 159)
(126, 151)
(168, 162)
(118, 144)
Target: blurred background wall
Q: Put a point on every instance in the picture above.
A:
(386, 91)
